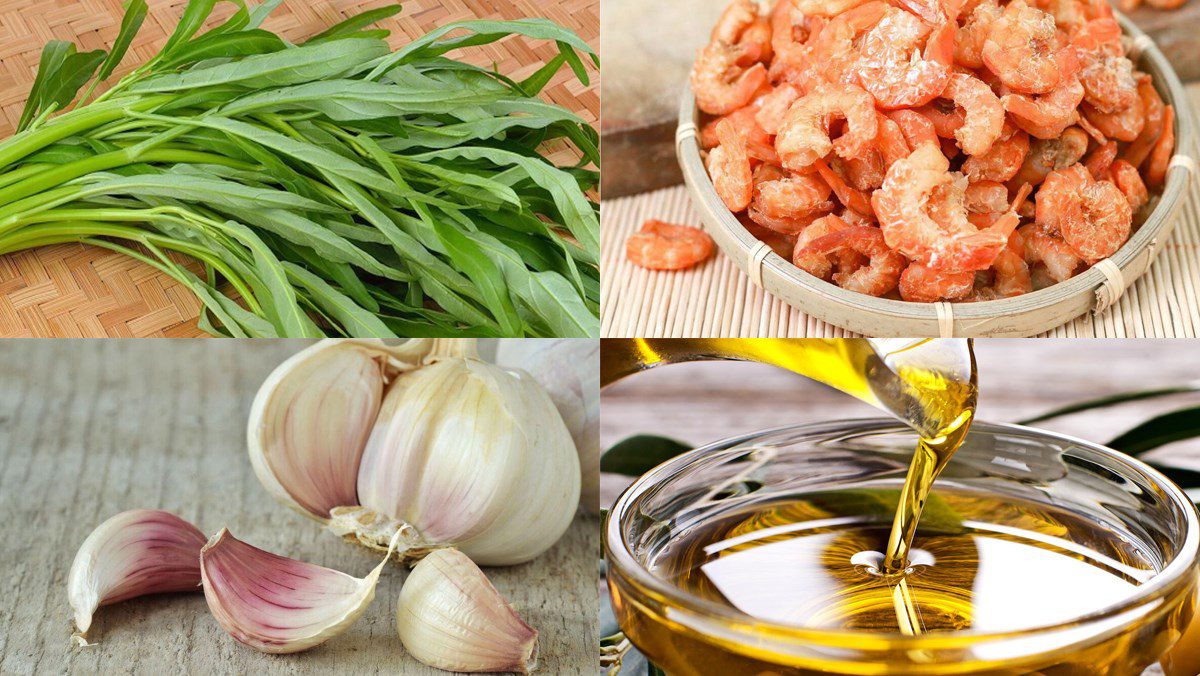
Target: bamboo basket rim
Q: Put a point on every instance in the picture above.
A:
(1060, 302)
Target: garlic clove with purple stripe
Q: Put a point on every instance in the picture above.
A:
(275, 604)
(450, 616)
(137, 552)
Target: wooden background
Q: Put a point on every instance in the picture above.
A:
(704, 402)
(91, 428)
(75, 290)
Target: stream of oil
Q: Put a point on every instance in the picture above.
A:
(930, 385)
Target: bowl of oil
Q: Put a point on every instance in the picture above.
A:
(1025, 315)
(1035, 552)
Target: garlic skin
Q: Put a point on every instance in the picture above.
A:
(569, 369)
(310, 419)
(275, 604)
(472, 456)
(450, 617)
(444, 449)
(137, 552)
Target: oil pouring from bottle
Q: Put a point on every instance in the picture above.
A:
(802, 551)
(929, 384)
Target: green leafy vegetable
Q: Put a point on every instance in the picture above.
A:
(335, 187)
(135, 14)
(53, 55)
(356, 23)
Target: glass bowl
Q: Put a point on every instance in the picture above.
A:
(1122, 497)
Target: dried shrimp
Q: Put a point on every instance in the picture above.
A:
(729, 166)
(666, 246)
(927, 150)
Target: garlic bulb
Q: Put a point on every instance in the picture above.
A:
(569, 369)
(276, 604)
(445, 449)
(141, 551)
(450, 617)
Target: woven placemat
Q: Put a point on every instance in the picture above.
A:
(77, 290)
(717, 300)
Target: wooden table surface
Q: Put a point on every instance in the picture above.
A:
(91, 428)
(704, 402)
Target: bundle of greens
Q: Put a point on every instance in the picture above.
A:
(333, 187)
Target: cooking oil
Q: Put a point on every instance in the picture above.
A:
(884, 569)
(929, 384)
(980, 564)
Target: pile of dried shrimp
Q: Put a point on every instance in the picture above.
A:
(932, 149)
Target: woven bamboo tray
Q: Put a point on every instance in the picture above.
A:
(84, 291)
(1026, 315)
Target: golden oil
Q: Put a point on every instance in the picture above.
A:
(817, 562)
(864, 565)
(931, 385)
(979, 563)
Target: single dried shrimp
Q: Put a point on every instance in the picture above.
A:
(1026, 50)
(729, 167)
(880, 273)
(893, 67)
(920, 284)
(666, 246)
(1092, 217)
(983, 116)
(720, 85)
(804, 137)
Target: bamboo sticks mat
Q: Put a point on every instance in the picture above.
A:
(716, 299)
(77, 290)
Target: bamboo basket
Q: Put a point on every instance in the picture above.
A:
(76, 290)
(1094, 290)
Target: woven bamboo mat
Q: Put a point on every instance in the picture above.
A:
(77, 290)
(717, 300)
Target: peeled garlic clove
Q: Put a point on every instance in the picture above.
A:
(450, 617)
(569, 369)
(276, 604)
(138, 552)
(475, 457)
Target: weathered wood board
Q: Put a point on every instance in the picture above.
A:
(91, 428)
(1177, 34)
(649, 49)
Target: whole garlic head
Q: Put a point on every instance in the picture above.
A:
(444, 449)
